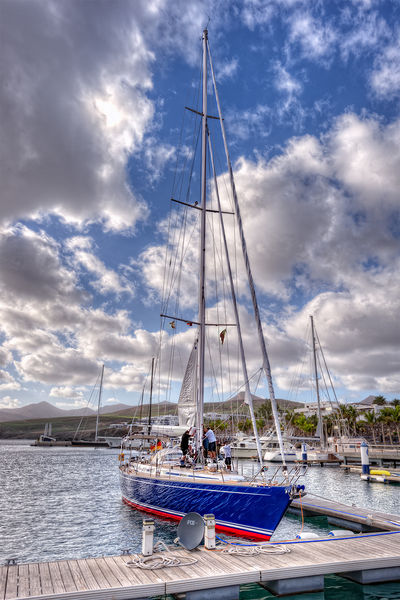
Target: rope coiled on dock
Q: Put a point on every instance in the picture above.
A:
(161, 560)
(253, 549)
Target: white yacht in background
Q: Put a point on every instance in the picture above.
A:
(244, 446)
(273, 453)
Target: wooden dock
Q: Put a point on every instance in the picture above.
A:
(366, 558)
(345, 515)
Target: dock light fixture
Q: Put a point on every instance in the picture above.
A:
(147, 539)
(209, 532)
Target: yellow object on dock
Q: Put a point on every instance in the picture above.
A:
(379, 472)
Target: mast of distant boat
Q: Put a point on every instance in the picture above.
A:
(99, 403)
(321, 426)
(151, 396)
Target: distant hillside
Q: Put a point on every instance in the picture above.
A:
(115, 408)
(166, 408)
(46, 410)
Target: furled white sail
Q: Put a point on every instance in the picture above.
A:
(187, 397)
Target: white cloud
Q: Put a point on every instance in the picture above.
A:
(77, 171)
(366, 158)
(227, 70)
(111, 401)
(7, 381)
(107, 280)
(316, 38)
(157, 155)
(5, 357)
(71, 405)
(367, 31)
(250, 123)
(385, 77)
(8, 402)
(66, 392)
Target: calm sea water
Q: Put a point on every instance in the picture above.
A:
(59, 503)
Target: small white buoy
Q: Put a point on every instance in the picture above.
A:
(307, 535)
(340, 532)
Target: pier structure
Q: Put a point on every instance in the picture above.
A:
(366, 558)
(350, 517)
(378, 455)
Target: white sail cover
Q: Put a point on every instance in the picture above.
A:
(187, 397)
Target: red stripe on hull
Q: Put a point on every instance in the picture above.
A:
(231, 530)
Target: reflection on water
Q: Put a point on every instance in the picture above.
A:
(59, 503)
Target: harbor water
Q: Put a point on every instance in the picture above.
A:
(60, 503)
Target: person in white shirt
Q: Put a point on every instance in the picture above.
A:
(212, 446)
(226, 449)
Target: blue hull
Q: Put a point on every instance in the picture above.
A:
(253, 512)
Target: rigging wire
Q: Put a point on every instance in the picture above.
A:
(84, 421)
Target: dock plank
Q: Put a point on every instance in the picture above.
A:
(87, 575)
(66, 576)
(34, 579)
(144, 583)
(129, 572)
(77, 575)
(109, 574)
(12, 582)
(45, 578)
(23, 580)
(97, 573)
(121, 570)
(56, 578)
(217, 570)
(3, 581)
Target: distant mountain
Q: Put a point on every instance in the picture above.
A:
(46, 410)
(40, 410)
(160, 408)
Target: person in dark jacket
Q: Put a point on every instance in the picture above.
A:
(185, 443)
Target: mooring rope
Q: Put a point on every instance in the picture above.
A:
(160, 561)
(256, 549)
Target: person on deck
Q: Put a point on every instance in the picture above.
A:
(212, 443)
(185, 443)
(205, 443)
(226, 448)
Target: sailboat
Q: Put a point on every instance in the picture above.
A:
(250, 507)
(323, 452)
(97, 442)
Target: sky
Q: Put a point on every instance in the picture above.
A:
(91, 104)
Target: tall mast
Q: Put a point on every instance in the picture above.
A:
(321, 427)
(266, 363)
(202, 308)
(99, 403)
